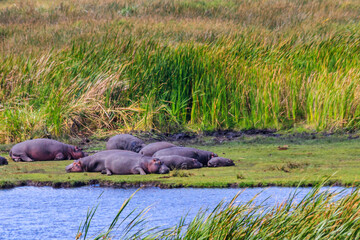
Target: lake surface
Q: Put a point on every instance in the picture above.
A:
(48, 213)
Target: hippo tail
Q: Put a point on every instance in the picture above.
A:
(10, 153)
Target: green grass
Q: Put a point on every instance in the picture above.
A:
(258, 163)
(74, 68)
(319, 215)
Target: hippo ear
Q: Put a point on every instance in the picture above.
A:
(77, 163)
(156, 160)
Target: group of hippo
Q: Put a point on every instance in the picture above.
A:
(124, 154)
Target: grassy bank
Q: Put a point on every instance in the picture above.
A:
(258, 163)
(89, 67)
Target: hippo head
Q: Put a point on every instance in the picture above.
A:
(156, 166)
(76, 166)
(164, 169)
(219, 161)
(77, 153)
(196, 163)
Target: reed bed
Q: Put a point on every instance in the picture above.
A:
(86, 67)
(319, 215)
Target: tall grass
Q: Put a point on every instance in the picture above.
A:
(85, 67)
(319, 215)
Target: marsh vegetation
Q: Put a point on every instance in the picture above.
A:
(320, 214)
(90, 67)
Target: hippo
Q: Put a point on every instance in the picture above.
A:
(179, 162)
(44, 150)
(3, 161)
(118, 162)
(125, 142)
(96, 162)
(151, 148)
(220, 162)
(145, 165)
(202, 156)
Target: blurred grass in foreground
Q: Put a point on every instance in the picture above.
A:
(319, 215)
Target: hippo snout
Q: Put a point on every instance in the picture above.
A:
(210, 164)
(68, 168)
(164, 169)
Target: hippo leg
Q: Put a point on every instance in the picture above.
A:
(103, 171)
(59, 156)
(139, 170)
(25, 158)
(16, 159)
(184, 166)
(108, 172)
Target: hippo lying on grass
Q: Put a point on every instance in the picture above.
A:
(3, 161)
(44, 150)
(179, 162)
(93, 163)
(200, 155)
(118, 162)
(220, 162)
(144, 165)
(125, 142)
(152, 148)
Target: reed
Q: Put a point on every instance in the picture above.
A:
(320, 214)
(87, 67)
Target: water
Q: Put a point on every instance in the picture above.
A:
(48, 213)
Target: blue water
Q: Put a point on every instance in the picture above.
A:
(48, 213)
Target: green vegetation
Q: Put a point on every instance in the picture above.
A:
(320, 215)
(258, 163)
(90, 67)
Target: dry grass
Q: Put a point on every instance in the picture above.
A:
(87, 66)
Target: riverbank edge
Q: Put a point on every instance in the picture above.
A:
(111, 184)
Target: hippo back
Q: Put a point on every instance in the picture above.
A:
(201, 155)
(152, 148)
(125, 142)
(42, 149)
(179, 151)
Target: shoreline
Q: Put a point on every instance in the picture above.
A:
(125, 185)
